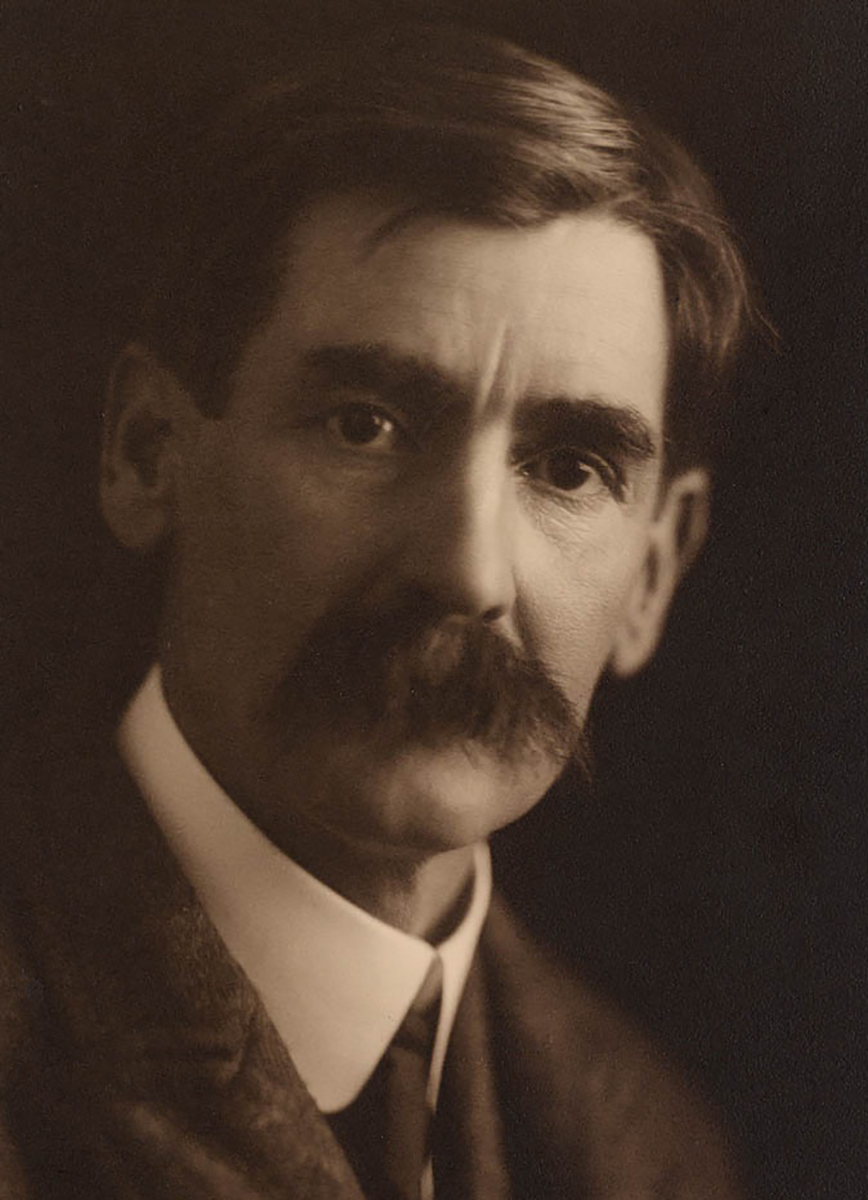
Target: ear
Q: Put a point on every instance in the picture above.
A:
(141, 424)
(674, 540)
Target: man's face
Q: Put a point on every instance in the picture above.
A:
(402, 556)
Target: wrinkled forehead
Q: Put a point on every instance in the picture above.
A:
(574, 304)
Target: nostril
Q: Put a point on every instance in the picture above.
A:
(494, 613)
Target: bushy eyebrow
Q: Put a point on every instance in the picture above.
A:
(415, 382)
(593, 421)
(424, 390)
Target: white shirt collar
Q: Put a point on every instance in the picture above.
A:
(336, 981)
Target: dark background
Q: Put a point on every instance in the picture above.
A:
(717, 883)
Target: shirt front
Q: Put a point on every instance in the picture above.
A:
(336, 981)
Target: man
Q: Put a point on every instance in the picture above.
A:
(411, 424)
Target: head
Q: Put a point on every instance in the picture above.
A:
(416, 410)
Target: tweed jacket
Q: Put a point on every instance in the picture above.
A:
(137, 1061)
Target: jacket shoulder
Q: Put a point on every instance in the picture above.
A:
(614, 1111)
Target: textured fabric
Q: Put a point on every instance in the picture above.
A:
(137, 1061)
(335, 981)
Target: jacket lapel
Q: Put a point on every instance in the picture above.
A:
(168, 1074)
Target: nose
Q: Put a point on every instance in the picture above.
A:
(460, 544)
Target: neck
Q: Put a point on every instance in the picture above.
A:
(426, 897)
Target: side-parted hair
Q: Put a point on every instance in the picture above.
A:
(462, 124)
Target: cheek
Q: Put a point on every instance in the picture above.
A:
(574, 607)
(263, 545)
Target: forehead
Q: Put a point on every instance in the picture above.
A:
(572, 306)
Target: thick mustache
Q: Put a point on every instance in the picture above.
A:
(402, 677)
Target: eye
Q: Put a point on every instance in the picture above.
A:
(364, 426)
(568, 469)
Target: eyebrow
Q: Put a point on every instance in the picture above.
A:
(617, 429)
(416, 383)
(425, 390)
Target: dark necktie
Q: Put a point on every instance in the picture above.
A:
(386, 1131)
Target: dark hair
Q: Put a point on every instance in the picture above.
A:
(463, 124)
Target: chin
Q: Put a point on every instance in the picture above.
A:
(428, 801)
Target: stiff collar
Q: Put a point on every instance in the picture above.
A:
(335, 981)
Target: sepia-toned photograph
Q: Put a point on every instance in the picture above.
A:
(432, 581)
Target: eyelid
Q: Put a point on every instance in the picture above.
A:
(610, 472)
(317, 410)
(374, 401)
(398, 433)
(529, 448)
